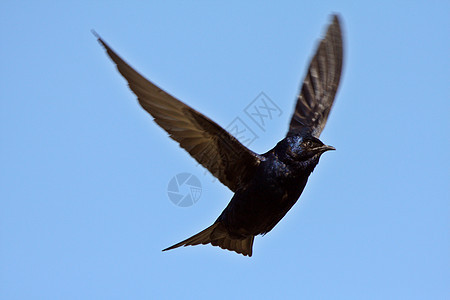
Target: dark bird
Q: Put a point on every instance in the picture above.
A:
(267, 185)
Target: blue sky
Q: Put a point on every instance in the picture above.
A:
(84, 209)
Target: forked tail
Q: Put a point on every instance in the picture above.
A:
(217, 235)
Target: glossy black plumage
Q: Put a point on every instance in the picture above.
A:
(266, 185)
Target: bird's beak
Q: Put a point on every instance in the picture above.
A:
(325, 148)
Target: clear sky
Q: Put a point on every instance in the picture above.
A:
(84, 205)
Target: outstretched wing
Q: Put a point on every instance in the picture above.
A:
(320, 85)
(212, 146)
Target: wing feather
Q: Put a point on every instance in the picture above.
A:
(208, 143)
(320, 85)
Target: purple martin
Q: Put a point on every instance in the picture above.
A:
(267, 185)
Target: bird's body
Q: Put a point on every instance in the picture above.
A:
(267, 185)
(263, 202)
(259, 205)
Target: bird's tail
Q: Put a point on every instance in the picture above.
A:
(217, 235)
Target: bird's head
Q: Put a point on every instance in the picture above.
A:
(303, 149)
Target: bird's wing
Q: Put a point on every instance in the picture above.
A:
(320, 85)
(212, 146)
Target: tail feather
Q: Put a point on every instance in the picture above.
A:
(234, 245)
(217, 235)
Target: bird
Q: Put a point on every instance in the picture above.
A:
(266, 185)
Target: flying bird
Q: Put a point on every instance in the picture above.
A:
(267, 185)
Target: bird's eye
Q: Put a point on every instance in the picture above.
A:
(308, 143)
